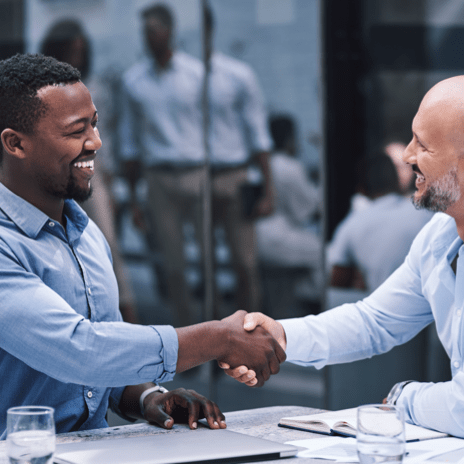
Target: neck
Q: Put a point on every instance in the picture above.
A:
(51, 206)
(163, 57)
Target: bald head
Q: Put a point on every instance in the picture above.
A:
(436, 151)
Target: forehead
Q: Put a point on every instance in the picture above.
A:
(66, 104)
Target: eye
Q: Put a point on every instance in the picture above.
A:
(94, 123)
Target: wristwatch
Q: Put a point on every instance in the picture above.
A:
(396, 391)
(147, 392)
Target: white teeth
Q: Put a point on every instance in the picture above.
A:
(86, 164)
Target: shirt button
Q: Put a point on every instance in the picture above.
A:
(90, 291)
(456, 364)
(51, 224)
(89, 394)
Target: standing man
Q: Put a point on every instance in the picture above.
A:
(62, 340)
(428, 286)
(162, 130)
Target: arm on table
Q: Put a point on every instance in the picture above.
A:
(164, 409)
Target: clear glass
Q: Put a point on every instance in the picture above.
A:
(30, 435)
(380, 434)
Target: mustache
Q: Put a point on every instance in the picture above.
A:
(84, 154)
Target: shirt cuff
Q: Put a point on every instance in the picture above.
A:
(168, 351)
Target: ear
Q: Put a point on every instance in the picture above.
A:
(13, 142)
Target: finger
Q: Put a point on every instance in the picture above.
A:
(252, 320)
(220, 418)
(274, 365)
(252, 382)
(223, 365)
(250, 375)
(212, 414)
(156, 415)
(237, 372)
(193, 414)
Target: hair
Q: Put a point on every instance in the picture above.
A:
(59, 39)
(282, 129)
(21, 76)
(160, 11)
(378, 176)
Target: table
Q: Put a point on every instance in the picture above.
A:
(260, 422)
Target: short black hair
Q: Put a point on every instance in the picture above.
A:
(21, 76)
(282, 128)
(160, 11)
(378, 175)
(59, 39)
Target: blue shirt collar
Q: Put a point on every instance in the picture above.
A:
(31, 220)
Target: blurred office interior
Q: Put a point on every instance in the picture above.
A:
(351, 74)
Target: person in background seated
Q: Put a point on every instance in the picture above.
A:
(62, 339)
(284, 238)
(371, 243)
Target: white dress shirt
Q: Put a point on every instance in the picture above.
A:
(423, 289)
(377, 238)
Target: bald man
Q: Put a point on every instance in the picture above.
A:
(427, 287)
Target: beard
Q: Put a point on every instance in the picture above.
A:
(68, 190)
(74, 192)
(440, 194)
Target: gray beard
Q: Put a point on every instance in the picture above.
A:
(440, 195)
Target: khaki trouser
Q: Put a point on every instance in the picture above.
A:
(175, 196)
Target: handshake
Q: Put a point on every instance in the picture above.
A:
(249, 347)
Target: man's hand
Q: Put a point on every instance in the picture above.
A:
(251, 321)
(255, 348)
(228, 342)
(182, 406)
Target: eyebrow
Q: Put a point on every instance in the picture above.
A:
(81, 120)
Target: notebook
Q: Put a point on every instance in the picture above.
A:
(202, 445)
(344, 423)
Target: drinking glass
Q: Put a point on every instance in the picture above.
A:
(380, 434)
(30, 435)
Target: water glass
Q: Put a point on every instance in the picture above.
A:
(380, 433)
(30, 435)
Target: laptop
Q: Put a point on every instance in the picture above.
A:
(202, 445)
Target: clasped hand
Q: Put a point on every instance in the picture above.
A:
(245, 373)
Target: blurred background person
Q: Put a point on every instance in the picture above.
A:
(67, 41)
(369, 244)
(285, 239)
(161, 133)
(406, 176)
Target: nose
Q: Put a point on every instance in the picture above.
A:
(409, 155)
(93, 142)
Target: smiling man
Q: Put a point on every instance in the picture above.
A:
(428, 286)
(62, 340)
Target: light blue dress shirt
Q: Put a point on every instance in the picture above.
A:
(423, 289)
(62, 340)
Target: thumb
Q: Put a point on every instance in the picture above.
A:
(252, 320)
(157, 415)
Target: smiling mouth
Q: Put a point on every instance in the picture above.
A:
(419, 176)
(85, 165)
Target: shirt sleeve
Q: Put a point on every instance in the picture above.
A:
(39, 328)
(392, 315)
(437, 406)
